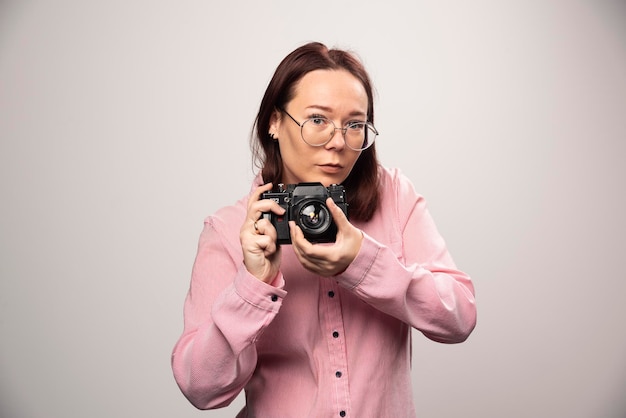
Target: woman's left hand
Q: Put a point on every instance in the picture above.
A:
(328, 260)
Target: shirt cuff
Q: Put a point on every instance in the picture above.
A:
(351, 277)
(258, 293)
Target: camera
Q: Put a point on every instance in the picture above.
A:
(305, 203)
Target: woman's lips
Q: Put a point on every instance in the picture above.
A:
(330, 168)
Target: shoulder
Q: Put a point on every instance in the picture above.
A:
(228, 219)
(233, 215)
(399, 196)
(396, 185)
(223, 226)
(229, 214)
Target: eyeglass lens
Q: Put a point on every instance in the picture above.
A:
(318, 131)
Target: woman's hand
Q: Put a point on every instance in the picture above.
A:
(261, 255)
(328, 260)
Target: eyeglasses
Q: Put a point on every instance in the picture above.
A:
(319, 130)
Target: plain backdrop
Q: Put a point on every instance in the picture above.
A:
(124, 123)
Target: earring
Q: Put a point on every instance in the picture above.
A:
(272, 136)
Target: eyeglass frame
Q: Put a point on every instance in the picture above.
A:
(367, 124)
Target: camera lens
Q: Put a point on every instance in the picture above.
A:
(314, 217)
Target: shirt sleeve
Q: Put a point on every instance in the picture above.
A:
(226, 310)
(422, 286)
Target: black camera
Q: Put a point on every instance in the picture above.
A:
(305, 203)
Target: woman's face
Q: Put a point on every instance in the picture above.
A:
(336, 95)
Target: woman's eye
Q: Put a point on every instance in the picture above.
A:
(319, 120)
(355, 126)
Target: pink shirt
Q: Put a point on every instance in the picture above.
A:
(310, 346)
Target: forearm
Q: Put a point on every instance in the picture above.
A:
(436, 299)
(209, 373)
(214, 359)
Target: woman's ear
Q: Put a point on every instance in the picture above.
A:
(275, 120)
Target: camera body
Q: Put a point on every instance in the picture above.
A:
(305, 203)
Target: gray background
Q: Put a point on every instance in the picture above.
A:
(124, 123)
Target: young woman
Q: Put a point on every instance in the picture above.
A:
(318, 329)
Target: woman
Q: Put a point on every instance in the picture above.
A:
(313, 329)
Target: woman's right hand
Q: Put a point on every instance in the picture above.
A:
(261, 255)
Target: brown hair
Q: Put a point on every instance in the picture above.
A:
(362, 185)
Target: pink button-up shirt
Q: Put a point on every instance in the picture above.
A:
(310, 346)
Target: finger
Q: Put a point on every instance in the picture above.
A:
(257, 206)
(267, 245)
(297, 237)
(255, 242)
(256, 195)
(298, 243)
(340, 218)
(251, 230)
(262, 189)
(265, 227)
(304, 249)
(263, 208)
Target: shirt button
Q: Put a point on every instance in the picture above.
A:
(331, 294)
(274, 298)
(342, 413)
(338, 374)
(335, 334)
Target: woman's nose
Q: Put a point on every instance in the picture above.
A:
(337, 141)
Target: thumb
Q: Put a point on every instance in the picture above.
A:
(340, 218)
